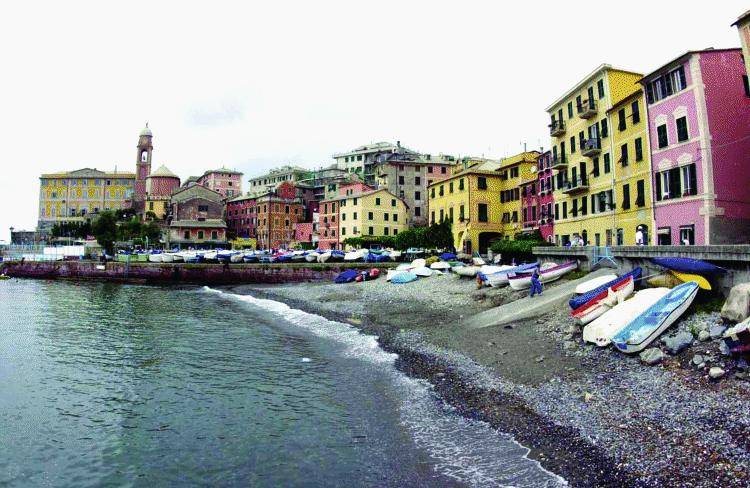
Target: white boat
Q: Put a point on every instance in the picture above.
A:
(324, 257)
(352, 256)
(154, 258)
(599, 305)
(594, 283)
(167, 257)
(188, 257)
(490, 269)
(404, 267)
(236, 257)
(177, 257)
(477, 261)
(548, 272)
(440, 265)
(391, 273)
(498, 278)
(210, 256)
(466, 271)
(422, 271)
(418, 263)
(395, 255)
(601, 330)
(312, 257)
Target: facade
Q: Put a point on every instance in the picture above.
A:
(632, 170)
(319, 180)
(698, 112)
(71, 196)
(160, 185)
(743, 28)
(225, 181)
(142, 167)
(363, 160)
(537, 201)
(517, 174)
(264, 183)
(278, 211)
(196, 218)
(328, 224)
(583, 155)
(303, 233)
(408, 175)
(241, 217)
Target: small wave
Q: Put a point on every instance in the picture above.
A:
(469, 451)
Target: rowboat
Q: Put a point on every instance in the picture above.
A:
(422, 271)
(154, 258)
(250, 257)
(601, 330)
(500, 278)
(167, 257)
(312, 257)
(177, 257)
(642, 331)
(404, 267)
(352, 256)
(546, 274)
(346, 276)
(594, 283)
(702, 282)
(403, 277)
(688, 265)
(236, 257)
(579, 300)
(395, 255)
(418, 263)
(390, 274)
(440, 265)
(597, 306)
(466, 271)
(665, 280)
(324, 257)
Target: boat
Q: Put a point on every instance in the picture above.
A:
(4, 277)
(403, 277)
(597, 306)
(477, 260)
(210, 256)
(346, 276)
(312, 257)
(440, 265)
(601, 330)
(547, 273)
(688, 265)
(418, 263)
(500, 278)
(594, 283)
(395, 255)
(466, 271)
(422, 271)
(177, 257)
(491, 268)
(579, 300)
(324, 257)
(352, 256)
(702, 282)
(390, 274)
(404, 267)
(642, 331)
(448, 256)
(154, 258)
(236, 257)
(337, 256)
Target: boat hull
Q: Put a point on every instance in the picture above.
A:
(523, 282)
(601, 330)
(604, 302)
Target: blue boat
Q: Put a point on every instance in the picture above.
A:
(447, 256)
(642, 331)
(346, 276)
(688, 265)
(580, 300)
(404, 277)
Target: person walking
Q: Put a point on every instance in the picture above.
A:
(536, 285)
(639, 236)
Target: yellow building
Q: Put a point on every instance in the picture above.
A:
(371, 213)
(71, 196)
(743, 27)
(584, 156)
(632, 169)
(482, 201)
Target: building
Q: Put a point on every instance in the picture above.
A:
(304, 234)
(743, 28)
(517, 175)
(241, 217)
(142, 168)
(328, 224)
(278, 211)
(73, 195)
(408, 174)
(324, 179)
(225, 181)
(698, 113)
(632, 170)
(537, 203)
(583, 155)
(363, 160)
(196, 218)
(25, 237)
(160, 185)
(263, 184)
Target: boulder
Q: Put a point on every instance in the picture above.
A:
(704, 335)
(651, 356)
(716, 331)
(698, 360)
(715, 372)
(737, 306)
(678, 343)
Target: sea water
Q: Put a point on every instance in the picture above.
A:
(122, 385)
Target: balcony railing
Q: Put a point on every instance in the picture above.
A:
(577, 185)
(592, 147)
(557, 128)
(587, 109)
(559, 162)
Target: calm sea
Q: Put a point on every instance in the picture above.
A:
(120, 385)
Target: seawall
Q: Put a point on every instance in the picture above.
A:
(174, 273)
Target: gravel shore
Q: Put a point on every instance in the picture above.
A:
(594, 416)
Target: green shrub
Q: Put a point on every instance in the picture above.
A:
(436, 236)
(520, 249)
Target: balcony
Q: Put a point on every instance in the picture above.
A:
(592, 147)
(557, 128)
(576, 186)
(559, 162)
(587, 109)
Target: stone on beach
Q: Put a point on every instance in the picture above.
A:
(651, 356)
(716, 372)
(678, 343)
(737, 306)
(703, 336)
(716, 331)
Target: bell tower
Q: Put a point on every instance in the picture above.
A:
(142, 167)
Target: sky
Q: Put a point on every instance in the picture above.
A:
(253, 85)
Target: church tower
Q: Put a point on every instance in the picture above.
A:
(143, 167)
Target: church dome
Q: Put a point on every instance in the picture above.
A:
(146, 131)
(162, 171)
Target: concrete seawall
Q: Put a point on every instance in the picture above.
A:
(163, 273)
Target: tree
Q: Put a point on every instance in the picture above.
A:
(105, 230)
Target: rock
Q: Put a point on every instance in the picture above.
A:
(698, 360)
(678, 343)
(737, 306)
(587, 397)
(741, 375)
(567, 345)
(651, 356)
(724, 349)
(539, 359)
(742, 364)
(717, 331)
(490, 344)
(572, 329)
(716, 372)
(704, 335)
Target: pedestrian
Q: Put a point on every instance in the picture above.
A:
(639, 236)
(536, 285)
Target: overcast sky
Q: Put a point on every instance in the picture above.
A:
(252, 87)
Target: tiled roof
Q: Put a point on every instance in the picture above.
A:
(213, 223)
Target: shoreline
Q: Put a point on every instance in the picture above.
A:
(594, 417)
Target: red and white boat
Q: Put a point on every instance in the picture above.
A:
(548, 272)
(604, 301)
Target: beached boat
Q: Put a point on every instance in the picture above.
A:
(154, 258)
(404, 267)
(250, 257)
(236, 257)
(688, 265)
(312, 257)
(500, 278)
(352, 256)
(606, 300)
(167, 257)
(346, 276)
(177, 257)
(594, 283)
(466, 271)
(580, 300)
(601, 330)
(477, 260)
(642, 331)
(440, 265)
(702, 282)
(546, 274)
(403, 277)
(418, 263)
(390, 274)
(324, 257)
(422, 271)
(337, 256)
(210, 256)
(395, 255)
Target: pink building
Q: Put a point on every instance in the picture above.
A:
(537, 200)
(241, 216)
(225, 181)
(303, 232)
(162, 183)
(699, 129)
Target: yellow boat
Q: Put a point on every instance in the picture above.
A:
(666, 280)
(703, 283)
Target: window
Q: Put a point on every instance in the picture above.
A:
(624, 154)
(666, 85)
(746, 85)
(565, 210)
(432, 217)
(639, 149)
(441, 190)
(584, 206)
(460, 184)
(400, 180)
(605, 128)
(687, 235)
(203, 208)
(370, 230)
(600, 88)
(417, 211)
(482, 183)
(461, 213)
(386, 216)
(393, 202)
(689, 181)
(572, 144)
(570, 110)
(636, 112)
(200, 234)
(417, 180)
(607, 166)
(343, 230)
(442, 215)
(443, 170)
(377, 201)
(214, 235)
(595, 169)
(450, 187)
(343, 217)
(682, 129)
(286, 208)
(429, 169)
(186, 234)
(625, 197)
(621, 119)
(385, 230)
(432, 192)
(355, 216)
(417, 196)
(354, 202)
(395, 217)
(640, 197)
(482, 212)
(515, 216)
(369, 215)
(557, 211)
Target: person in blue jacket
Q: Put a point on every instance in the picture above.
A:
(536, 285)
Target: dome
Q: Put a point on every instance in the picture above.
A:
(162, 171)
(146, 131)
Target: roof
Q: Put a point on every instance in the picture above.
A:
(89, 173)
(282, 170)
(363, 194)
(164, 172)
(223, 170)
(600, 69)
(214, 223)
(146, 131)
(195, 190)
(682, 56)
(741, 18)
(375, 147)
(239, 198)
